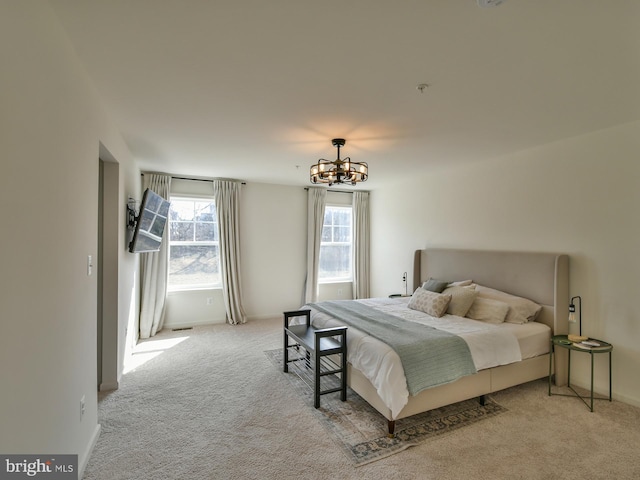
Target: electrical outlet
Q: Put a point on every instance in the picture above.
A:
(340, 292)
(209, 300)
(81, 408)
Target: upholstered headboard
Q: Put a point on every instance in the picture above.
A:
(541, 277)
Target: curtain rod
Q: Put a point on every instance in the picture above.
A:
(334, 191)
(173, 177)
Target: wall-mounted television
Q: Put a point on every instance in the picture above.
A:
(150, 223)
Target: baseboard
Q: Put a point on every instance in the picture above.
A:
(626, 399)
(106, 386)
(605, 393)
(265, 317)
(170, 326)
(86, 455)
(173, 325)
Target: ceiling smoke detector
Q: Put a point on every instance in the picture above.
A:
(489, 3)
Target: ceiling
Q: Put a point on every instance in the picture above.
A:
(256, 90)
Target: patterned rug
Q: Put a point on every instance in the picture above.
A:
(361, 431)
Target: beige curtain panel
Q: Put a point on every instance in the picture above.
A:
(316, 200)
(361, 245)
(227, 197)
(154, 267)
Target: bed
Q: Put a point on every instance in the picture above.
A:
(539, 277)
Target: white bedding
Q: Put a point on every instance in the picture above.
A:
(490, 345)
(533, 338)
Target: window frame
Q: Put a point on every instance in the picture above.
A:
(212, 243)
(349, 279)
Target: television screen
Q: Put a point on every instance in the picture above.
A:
(150, 223)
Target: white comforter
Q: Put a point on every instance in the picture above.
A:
(490, 346)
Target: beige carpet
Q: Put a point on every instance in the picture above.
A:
(210, 405)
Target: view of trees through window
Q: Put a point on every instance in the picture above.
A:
(194, 259)
(335, 248)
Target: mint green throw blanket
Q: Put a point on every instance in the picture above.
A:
(429, 356)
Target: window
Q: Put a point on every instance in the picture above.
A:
(193, 244)
(336, 245)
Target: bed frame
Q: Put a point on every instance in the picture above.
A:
(541, 277)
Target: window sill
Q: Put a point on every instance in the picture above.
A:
(174, 290)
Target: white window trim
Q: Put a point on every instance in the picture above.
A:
(336, 280)
(193, 287)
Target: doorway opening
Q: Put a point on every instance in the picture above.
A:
(107, 295)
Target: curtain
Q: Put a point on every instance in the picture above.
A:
(154, 268)
(227, 197)
(361, 245)
(316, 199)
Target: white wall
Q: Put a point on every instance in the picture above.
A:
(273, 245)
(51, 127)
(274, 248)
(579, 196)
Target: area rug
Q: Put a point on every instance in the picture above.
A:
(361, 431)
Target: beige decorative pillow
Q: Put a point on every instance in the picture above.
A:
(461, 283)
(488, 310)
(520, 307)
(434, 304)
(461, 299)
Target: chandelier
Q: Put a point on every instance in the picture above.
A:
(339, 171)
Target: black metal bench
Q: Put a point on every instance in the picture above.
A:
(317, 354)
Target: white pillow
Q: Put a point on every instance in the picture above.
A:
(520, 307)
(461, 299)
(514, 317)
(488, 310)
(431, 303)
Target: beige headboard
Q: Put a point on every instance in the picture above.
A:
(541, 277)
